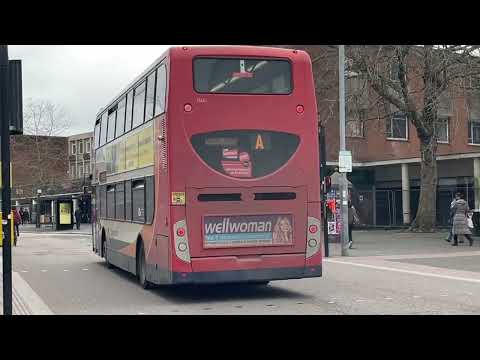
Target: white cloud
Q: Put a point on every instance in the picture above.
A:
(82, 78)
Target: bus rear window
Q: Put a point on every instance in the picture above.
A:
(242, 76)
(245, 153)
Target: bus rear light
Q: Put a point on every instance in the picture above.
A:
(313, 237)
(187, 108)
(180, 235)
(300, 109)
(181, 232)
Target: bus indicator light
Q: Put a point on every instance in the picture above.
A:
(187, 108)
(300, 109)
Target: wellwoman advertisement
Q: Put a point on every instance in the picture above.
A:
(247, 230)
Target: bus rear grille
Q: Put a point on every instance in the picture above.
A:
(163, 145)
(220, 197)
(276, 196)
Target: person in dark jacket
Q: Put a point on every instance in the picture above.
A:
(78, 216)
(352, 219)
(460, 226)
(16, 221)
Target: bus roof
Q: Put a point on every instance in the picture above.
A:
(191, 51)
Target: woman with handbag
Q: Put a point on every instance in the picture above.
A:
(460, 220)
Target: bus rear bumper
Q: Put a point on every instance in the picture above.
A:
(248, 275)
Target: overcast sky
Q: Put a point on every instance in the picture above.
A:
(81, 78)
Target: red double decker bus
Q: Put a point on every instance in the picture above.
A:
(207, 169)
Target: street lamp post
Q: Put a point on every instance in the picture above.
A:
(343, 183)
(39, 193)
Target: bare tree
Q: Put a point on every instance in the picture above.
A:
(415, 80)
(42, 154)
(44, 118)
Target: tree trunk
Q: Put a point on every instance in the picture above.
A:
(425, 219)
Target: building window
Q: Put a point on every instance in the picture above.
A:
(87, 146)
(474, 131)
(397, 126)
(73, 148)
(394, 72)
(86, 167)
(355, 125)
(442, 129)
(80, 146)
(80, 170)
(72, 171)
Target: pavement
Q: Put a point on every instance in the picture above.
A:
(388, 272)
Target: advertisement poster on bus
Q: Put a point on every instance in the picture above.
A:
(247, 230)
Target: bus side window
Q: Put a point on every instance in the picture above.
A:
(128, 119)
(138, 200)
(150, 199)
(138, 105)
(103, 198)
(119, 201)
(150, 97)
(111, 201)
(103, 131)
(128, 200)
(161, 90)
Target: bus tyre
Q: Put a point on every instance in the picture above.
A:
(142, 268)
(104, 252)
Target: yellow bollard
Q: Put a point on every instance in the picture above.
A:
(11, 230)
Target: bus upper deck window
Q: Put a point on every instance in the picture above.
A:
(242, 76)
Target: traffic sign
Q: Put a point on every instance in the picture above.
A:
(345, 161)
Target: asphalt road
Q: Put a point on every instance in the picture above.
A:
(70, 279)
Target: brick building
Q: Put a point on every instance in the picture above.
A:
(386, 155)
(42, 163)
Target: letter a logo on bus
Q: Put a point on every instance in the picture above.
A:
(259, 145)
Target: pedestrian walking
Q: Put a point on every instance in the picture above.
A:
(22, 216)
(16, 222)
(452, 214)
(27, 216)
(78, 216)
(352, 220)
(460, 220)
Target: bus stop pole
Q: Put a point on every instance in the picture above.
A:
(6, 205)
(323, 192)
(344, 183)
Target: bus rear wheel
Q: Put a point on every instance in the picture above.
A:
(142, 268)
(104, 253)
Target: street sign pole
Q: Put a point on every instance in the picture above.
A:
(344, 183)
(6, 205)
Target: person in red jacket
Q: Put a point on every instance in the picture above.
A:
(16, 221)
